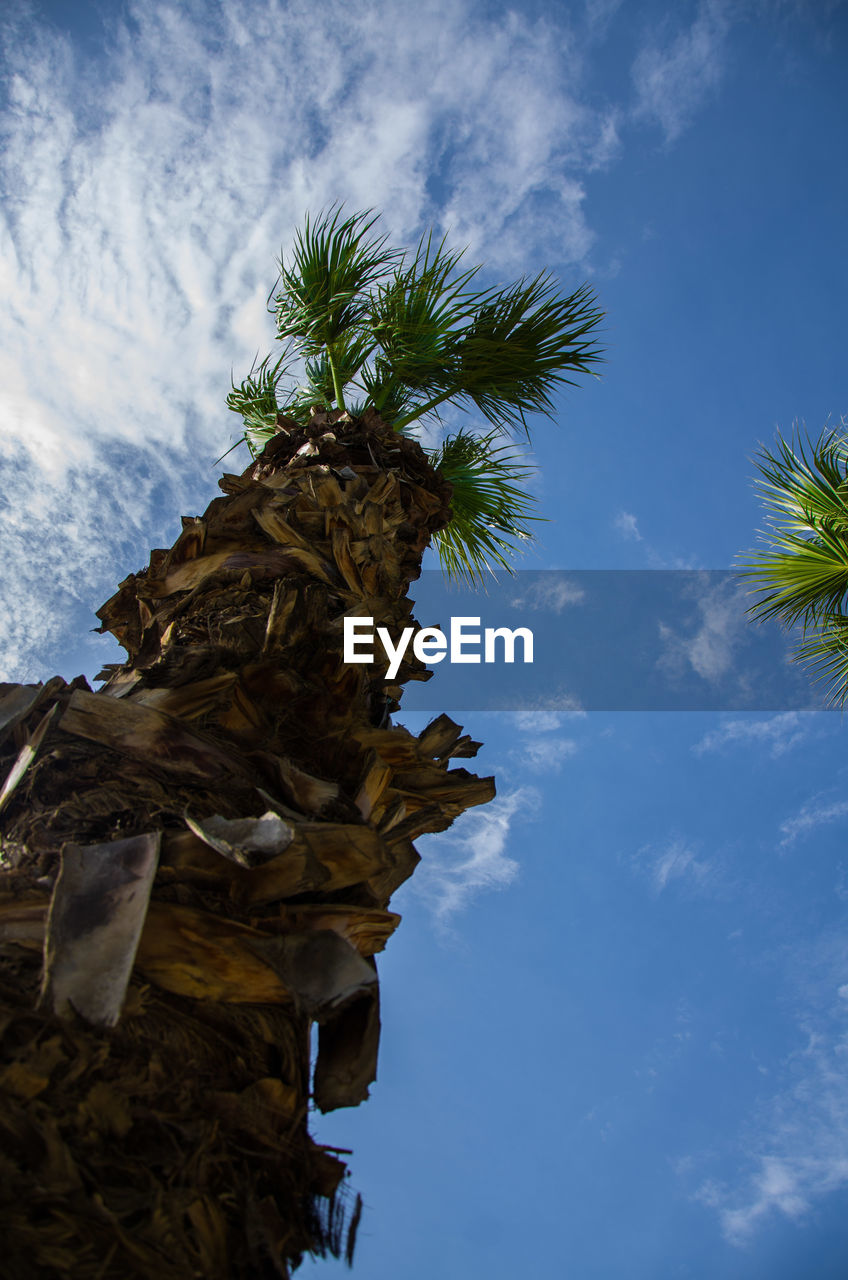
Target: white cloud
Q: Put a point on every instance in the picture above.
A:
(672, 81)
(149, 184)
(537, 721)
(778, 734)
(599, 15)
(793, 1149)
(473, 856)
(626, 525)
(548, 713)
(799, 1145)
(545, 755)
(709, 648)
(813, 813)
(674, 860)
(672, 863)
(553, 592)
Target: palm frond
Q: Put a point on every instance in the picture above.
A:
(520, 346)
(323, 296)
(323, 373)
(491, 510)
(323, 289)
(417, 317)
(384, 391)
(255, 398)
(803, 573)
(825, 654)
(522, 342)
(318, 387)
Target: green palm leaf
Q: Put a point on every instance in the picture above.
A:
(323, 290)
(391, 397)
(409, 334)
(520, 344)
(256, 400)
(804, 571)
(323, 299)
(350, 352)
(825, 654)
(491, 509)
(417, 318)
(803, 574)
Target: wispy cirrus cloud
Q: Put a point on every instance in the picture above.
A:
(709, 645)
(792, 1151)
(675, 859)
(551, 592)
(599, 15)
(549, 715)
(816, 812)
(146, 186)
(537, 721)
(778, 734)
(798, 1145)
(542, 749)
(626, 524)
(545, 755)
(672, 78)
(474, 856)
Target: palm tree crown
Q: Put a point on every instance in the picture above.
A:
(803, 574)
(404, 334)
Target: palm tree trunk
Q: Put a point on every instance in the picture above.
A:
(197, 862)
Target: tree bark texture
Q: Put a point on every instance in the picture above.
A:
(197, 863)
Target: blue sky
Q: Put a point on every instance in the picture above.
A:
(616, 1012)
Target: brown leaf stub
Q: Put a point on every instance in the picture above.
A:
(96, 917)
(321, 969)
(195, 954)
(16, 702)
(249, 842)
(145, 733)
(348, 1044)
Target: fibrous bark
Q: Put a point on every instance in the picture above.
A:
(197, 862)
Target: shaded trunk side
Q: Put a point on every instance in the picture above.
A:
(221, 826)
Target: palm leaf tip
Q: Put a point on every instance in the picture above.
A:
(332, 265)
(802, 576)
(825, 655)
(803, 573)
(491, 510)
(518, 345)
(255, 399)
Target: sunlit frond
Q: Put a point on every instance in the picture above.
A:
(323, 297)
(349, 354)
(825, 654)
(418, 316)
(491, 510)
(323, 288)
(803, 573)
(391, 397)
(256, 400)
(521, 343)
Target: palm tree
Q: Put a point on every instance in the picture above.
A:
(403, 337)
(803, 573)
(197, 859)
